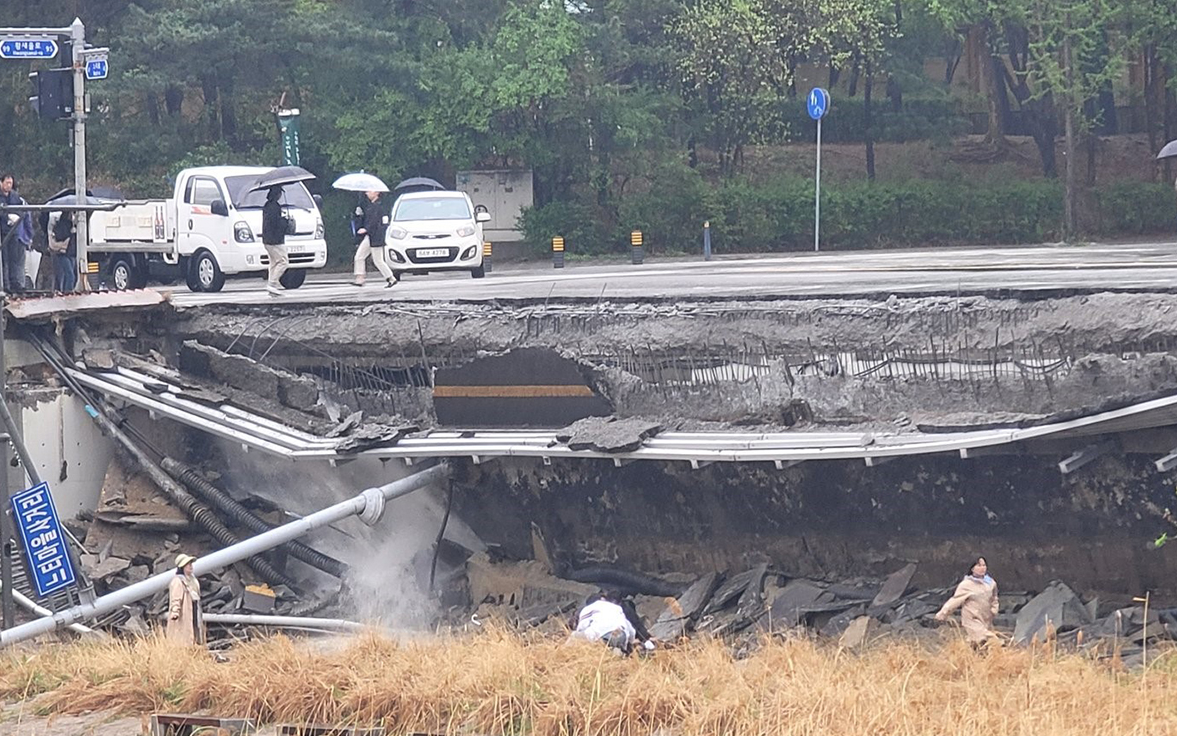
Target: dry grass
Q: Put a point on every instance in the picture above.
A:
(497, 683)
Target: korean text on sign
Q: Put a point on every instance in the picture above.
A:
(44, 542)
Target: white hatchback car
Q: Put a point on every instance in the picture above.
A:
(435, 231)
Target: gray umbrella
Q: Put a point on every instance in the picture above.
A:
(280, 176)
(1169, 151)
(419, 184)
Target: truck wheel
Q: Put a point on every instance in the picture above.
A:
(206, 273)
(293, 278)
(125, 275)
(478, 272)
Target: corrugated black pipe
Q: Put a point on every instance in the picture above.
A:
(195, 510)
(209, 493)
(627, 581)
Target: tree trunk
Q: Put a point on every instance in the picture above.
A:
(208, 87)
(228, 113)
(992, 85)
(152, 104)
(868, 85)
(173, 98)
(1070, 205)
(895, 93)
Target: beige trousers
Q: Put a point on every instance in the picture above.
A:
(363, 250)
(278, 262)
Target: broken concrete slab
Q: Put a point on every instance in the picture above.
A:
(374, 435)
(104, 570)
(787, 608)
(860, 632)
(1057, 605)
(98, 360)
(839, 622)
(519, 585)
(731, 590)
(601, 434)
(675, 620)
(895, 586)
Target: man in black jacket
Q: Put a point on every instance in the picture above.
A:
(370, 223)
(13, 249)
(274, 239)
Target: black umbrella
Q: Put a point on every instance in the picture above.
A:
(281, 176)
(1169, 151)
(418, 184)
(101, 192)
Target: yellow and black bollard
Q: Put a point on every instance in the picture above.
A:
(487, 266)
(635, 240)
(558, 252)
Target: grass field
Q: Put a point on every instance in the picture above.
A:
(497, 683)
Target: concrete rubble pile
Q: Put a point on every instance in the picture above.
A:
(742, 607)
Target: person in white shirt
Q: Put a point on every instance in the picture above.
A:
(605, 619)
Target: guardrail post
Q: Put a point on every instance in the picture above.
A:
(635, 240)
(558, 252)
(707, 240)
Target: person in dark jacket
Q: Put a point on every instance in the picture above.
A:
(63, 247)
(370, 223)
(11, 247)
(274, 239)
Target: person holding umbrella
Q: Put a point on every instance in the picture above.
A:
(274, 239)
(370, 223)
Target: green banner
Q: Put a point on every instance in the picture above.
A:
(288, 125)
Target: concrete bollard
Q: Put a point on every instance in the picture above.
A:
(487, 265)
(558, 252)
(635, 240)
(707, 240)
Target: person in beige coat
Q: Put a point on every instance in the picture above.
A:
(976, 596)
(185, 621)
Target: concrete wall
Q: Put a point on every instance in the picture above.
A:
(842, 519)
(70, 452)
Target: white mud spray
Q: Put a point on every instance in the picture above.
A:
(389, 562)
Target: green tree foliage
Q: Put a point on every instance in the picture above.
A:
(620, 107)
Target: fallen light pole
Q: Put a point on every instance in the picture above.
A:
(286, 622)
(369, 506)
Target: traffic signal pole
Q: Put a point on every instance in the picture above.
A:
(81, 224)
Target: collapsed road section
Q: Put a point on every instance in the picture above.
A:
(826, 439)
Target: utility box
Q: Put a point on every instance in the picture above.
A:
(505, 193)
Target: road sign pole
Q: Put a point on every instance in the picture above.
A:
(78, 40)
(817, 195)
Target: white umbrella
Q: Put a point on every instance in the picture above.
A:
(1169, 151)
(360, 182)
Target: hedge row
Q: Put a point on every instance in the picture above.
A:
(779, 215)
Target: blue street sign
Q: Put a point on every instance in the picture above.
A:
(28, 48)
(818, 103)
(96, 69)
(48, 559)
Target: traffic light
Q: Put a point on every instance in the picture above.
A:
(53, 97)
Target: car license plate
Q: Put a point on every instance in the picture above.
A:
(432, 252)
(296, 249)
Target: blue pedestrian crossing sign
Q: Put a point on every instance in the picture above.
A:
(96, 68)
(818, 103)
(28, 48)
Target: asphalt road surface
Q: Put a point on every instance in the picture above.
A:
(1086, 268)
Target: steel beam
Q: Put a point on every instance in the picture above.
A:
(1082, 457)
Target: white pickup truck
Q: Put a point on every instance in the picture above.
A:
(210, 228)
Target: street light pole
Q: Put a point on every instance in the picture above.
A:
(77, 33)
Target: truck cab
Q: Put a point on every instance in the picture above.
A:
(209, 229)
